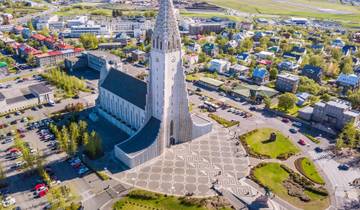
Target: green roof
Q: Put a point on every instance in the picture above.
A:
(3, 64)
(244, 90)
(211, 81)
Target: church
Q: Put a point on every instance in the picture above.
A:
(154, 113)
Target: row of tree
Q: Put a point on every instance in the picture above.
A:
(70, 84)
(76, 134)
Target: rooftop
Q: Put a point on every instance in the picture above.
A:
(211, 81)
(40, 89)
(127, 87)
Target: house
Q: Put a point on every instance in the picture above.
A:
(25, 50)
(244, 57)
(287, 83)
(288, 66)
(239, 70)
(138, 55)
(348, 81)
(299, 50)
(194, 47)
(232, 44)
(302, 97)
(260, 75)
(317, 48)
(209, 83)
(55, 57)
(191, 58)
(219, 65)
(348, 50)
(253, 92)
(293, 56)
(38, 37)
(18, 29)
(274, 49)
(264, 55)
(312, 72)
(337, 43)
(26, 33)
(210, 49)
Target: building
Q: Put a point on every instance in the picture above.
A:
(15, 99)
(287, 83)
(302, 97)
(138, 55)
(155, 114)
(42, 22)
(288, 66)
(97, 30)
(204, 28)
(98, 60)
(312, 72)
(260, 75)
(55, 57)
(239, 70)
(335, 114)
(209, 83)
(77, 21)
(348, 81)
(111, 45)
(219, 65)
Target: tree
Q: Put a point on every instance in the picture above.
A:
(2, 174)
(30, 60)
(316, 60)
(89, 41)
(85, 138)
(74, 138)
(287, 101)
(349, 137)
(336, 54)
(30, 26)
(267, 102)
(247, 44)
(273, 73)
(45, 31)
(64, 140)
(94, 146)
(347, 69)
(44, 49)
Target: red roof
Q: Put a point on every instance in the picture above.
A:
(50, 39)
(78, 49)
(63, 46)
(265, 62)
(39, 37)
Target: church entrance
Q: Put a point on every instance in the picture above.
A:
(172, 139)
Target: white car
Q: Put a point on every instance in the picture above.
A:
(8, 201)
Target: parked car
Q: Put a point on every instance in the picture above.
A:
(293, 130)
(298, 124)
(252, 108)
(343, 167)
(285, 120)
(302, 142)
(318, 149)
(83, 170)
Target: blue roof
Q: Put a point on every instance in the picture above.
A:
(260, 73)
(242, 56)
(127, 87)
(348, 79)
(291, 55)
(143, 138)
(298, 49)
(317, 46)
(310, 69)
(346, 48)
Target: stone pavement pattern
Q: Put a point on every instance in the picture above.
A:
(192, 167)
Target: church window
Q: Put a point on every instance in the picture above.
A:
(171, 128)
(157, 42)
(169, 47)
(160, 45)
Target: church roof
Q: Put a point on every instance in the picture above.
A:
(142, 139)
(127, 87)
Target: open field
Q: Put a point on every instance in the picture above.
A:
(321, 9)
(210, 15)
(272, 176)
(78, 10)
(260, 144)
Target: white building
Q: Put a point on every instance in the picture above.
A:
(97, 30)
(50, 22)
(155, 114)
(219, 65)
(77, 21)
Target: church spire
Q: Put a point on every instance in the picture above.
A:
(166, 35)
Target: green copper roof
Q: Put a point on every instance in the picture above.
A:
(2, 64)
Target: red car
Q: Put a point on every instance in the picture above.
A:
(302, 142)
(42, 192)
(38, 186)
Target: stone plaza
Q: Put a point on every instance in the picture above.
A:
(194, 167)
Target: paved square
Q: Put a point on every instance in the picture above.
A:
(192, 167)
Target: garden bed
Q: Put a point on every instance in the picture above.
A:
(290, 186)
(224, 122)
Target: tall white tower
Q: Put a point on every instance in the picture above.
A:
(167, 95)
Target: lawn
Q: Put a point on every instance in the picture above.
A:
(320, 9)
(210, 15)
(307, 168)
(148, 200)
(258, 142)
(272, 176)
(293, 111)
(73, 11)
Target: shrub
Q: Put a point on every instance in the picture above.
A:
(144, 195)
